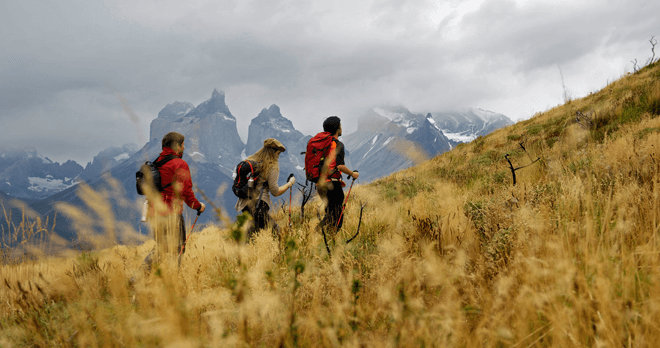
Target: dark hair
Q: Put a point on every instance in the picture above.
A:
(331, 124)
(172, 138)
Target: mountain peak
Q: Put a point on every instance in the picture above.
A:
(271, 124)
(214, 105)
(273, 112)
(272, 118)
(175, 110)
(274, 109)
(216, 94)
(371, 120)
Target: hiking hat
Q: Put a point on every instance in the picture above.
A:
(274, 144)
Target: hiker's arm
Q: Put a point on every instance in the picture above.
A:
(184, 179)
(275, 189)
(344, 169)
(286, 186)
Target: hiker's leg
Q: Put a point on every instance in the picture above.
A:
(159, 228)
(262, 216)
(275, 228)
(260, 219)
(251, 224)
(182, 234)
(335, 202)
(182, 239)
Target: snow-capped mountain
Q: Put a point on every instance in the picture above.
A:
(467, 124)
(27, 175)
(271, 124)
(391, 139)
(213, 148)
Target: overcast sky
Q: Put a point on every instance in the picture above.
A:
(78, 76)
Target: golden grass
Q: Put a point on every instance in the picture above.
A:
(450, 254)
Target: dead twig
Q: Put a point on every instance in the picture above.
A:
(307, 191)
(513, 170)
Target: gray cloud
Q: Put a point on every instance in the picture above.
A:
(63, 64)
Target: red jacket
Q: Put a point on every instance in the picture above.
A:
(177, 169)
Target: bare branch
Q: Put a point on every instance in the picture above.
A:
(585, 119)
(513, 170)
(307, 191)
(653, 42)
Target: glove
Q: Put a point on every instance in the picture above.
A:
(290, 178)
(201, 209)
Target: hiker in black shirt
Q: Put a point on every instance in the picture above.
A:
(332, 190)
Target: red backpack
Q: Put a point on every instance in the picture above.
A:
(318, 149)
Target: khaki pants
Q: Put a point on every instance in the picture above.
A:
(170, 234)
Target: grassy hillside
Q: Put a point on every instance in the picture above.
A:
(450, 254)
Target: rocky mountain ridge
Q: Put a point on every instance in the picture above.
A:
(213, 148)
(26, 175)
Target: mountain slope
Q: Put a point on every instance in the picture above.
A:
(385, 138)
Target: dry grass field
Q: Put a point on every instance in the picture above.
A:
(450, 254)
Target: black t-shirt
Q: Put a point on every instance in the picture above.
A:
(339, 160)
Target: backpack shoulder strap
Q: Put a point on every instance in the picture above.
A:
(164, 160)
(160, 163)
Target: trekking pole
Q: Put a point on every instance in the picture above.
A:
(290, 195)
(191, 229)
(346, 202)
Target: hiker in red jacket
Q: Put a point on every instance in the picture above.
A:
(166, 215)
(332, 190)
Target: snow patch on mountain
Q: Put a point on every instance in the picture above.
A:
(49, 184)
(46, 160)
(392, 115)
(432, 122)
(484, 115)
(403, 121)
(459, 137)
(122, 157)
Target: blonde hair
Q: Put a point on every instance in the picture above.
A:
(268, 160)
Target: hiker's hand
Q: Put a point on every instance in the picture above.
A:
(355, 174)
(292, 179)
(291, 176)
(202, 208)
